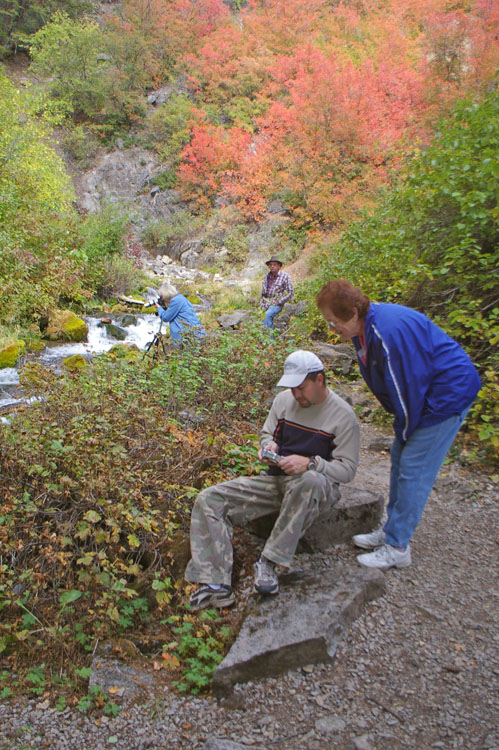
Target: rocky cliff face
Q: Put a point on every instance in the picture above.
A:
(124, 177)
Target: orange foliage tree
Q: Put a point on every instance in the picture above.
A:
(314, 102)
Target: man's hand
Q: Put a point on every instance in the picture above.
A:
(294, 464)
(270, 447)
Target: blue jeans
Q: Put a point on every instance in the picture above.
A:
(415, 465)
(272, 311)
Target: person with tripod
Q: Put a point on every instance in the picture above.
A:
(175, 309)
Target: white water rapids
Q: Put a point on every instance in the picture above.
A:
(98, 342)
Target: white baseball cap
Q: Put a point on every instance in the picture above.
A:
(297, 366)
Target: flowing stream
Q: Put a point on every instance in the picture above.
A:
(98, 342)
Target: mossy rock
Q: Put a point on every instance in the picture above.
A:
(124, 351)
(194, 299)
(115, 332)
(128, 320)
(74, 363)
(66, 326)
(35, 345)
(10, 354)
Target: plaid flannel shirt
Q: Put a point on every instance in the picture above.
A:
(276, 290)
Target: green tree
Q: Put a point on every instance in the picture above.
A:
(94, 71)
(20, 18)
(39, 260)
(71, 55)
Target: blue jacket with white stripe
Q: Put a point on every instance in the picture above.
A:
(416, 371)
(178, 314)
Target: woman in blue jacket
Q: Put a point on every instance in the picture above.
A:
(175, 309)
(422, 377)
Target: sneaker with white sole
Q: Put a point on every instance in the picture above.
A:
(370, 541)
(386, 557)
(266, 581)
(205, 597)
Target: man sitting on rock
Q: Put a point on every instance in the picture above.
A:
(316, 436)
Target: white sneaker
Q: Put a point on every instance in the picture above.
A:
(369, 541)
(386, 557)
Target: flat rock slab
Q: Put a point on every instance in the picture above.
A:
(120, 680)
(302, 625)
(357, 512)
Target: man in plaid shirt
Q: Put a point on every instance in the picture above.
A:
(277, 289)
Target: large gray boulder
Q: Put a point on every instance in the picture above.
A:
(337, 355)
(302, 625)
(357, 512)
(232, 320)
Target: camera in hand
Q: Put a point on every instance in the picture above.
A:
(271, 456)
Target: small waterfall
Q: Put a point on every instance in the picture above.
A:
(98, 342)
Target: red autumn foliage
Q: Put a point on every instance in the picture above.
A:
(314, 102)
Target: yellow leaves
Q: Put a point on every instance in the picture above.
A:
(133, 570)
(21, 635)
(85, 560)
(163, 597)
(101, 536)
(133, 541)
(113, 614)
(92, 516)
(83, 532)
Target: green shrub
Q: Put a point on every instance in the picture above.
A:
(97, 480)
(432, 244)
(158, 235)
(118, 275)
(81, 144)
(165, 180)
(103, 233)
(39, 261)
(167, 128)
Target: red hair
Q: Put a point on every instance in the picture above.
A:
(342, 298)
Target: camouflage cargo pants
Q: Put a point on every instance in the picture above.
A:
(300, 500)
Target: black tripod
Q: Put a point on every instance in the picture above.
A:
(155, 344)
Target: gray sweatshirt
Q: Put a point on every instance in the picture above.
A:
(328, 431)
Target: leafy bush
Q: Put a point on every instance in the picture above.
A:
(97, 479)
(168, 127)
(104, 241)
(118, 275)
(19, 19)
(201, 643)
(69, 53)
(159, 235)
(204, 383)
(432, 243)
(165, 180)
(88, 68)
(81, 144)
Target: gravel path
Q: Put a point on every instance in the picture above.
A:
(418, 669)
